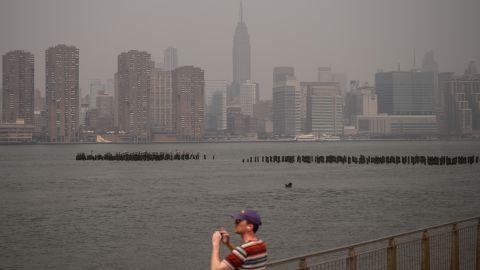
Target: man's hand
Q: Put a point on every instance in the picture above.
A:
(216, 238)
(225, 236)
(226, 239)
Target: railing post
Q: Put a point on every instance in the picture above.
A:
(478, 245)
(455, 264)
(303, 264)
(392, 254)
(425, 251)
(351, 259)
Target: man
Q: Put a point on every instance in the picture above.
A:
(252, 254)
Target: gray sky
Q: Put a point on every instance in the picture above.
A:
(353, 36)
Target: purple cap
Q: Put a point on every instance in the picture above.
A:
(249, 215)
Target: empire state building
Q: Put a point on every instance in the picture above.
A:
(241, 57)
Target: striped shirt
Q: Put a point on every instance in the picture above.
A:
(251, 255)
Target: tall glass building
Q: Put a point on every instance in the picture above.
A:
(215, 105)
(325, 109)
(405, 92)
(286, 107)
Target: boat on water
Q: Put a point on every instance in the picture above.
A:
(314, 138)
(100, 139)
(306, 138)
(328, 138)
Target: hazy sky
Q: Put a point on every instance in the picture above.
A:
(353, 36)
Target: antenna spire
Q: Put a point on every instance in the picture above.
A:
(241, 11)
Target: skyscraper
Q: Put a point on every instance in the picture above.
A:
(170, 60)
(161, 105)
(18, 87)
(361, 100)
(104, 111)
(405, 92)
(62, 93)
(188, 85)
(325, 109)
(215, 105)
(304, 86)
(241, 56)
(96, 87)
(463, 104)
(134, 82)
(248, 97)
(286, 103)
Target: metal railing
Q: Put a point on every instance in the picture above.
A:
(452, 246)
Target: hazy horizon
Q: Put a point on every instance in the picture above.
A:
(350, 36)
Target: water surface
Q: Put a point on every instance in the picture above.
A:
(58, 213)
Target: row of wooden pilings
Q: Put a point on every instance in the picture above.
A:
(142, 156)
(363, 159)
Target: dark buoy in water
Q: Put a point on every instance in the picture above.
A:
(289, 185)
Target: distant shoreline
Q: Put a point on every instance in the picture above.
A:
(247, 141)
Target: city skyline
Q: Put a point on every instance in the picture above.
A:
(148, 101)
(356, 46)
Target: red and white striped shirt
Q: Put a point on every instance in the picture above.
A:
(251, 255)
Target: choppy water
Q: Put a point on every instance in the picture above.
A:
(58, 213)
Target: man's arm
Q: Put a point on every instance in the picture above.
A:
(216, 264)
